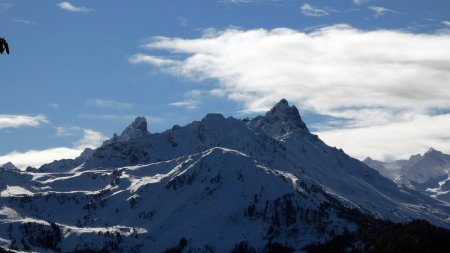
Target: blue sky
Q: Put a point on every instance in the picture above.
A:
(81, 70)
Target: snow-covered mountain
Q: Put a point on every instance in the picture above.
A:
(203, 187)
(427, 173)
(418, 168)
(390, 170)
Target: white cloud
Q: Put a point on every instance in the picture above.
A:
(188, 104)
(363, 78)
(447, 23)
(23, 21)
(192, 99)
(72, 8)
(36, 158)
(154, 60)
(218, 92)
(399, 139)
(102, 103)
(16, 121)
(380, 11)
(309, 10)
(90, 139)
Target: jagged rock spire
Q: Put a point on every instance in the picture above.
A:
(280, 120)
(140, 123)
(286, 113)
(136, 130)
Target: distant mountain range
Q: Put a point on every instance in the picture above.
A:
(215, 185)
(427, 173)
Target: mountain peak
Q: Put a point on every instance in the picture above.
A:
(368, 159)
(140, 123)
(281, 106)
(9, 166)
(213, 117)
(282, 103)
(432, 151)
(134, 131)
(86, 154)
(280, 120)
(286, 112)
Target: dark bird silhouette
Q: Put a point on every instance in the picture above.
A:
(3, 46)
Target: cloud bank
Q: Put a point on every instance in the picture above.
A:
(366, 80)
(36, 158)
